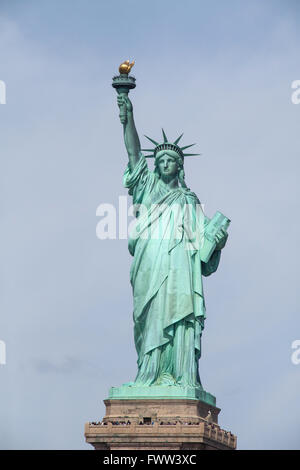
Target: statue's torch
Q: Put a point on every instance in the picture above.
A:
(123, 83)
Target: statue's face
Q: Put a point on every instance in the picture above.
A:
(167, 165)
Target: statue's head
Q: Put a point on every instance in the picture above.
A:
(168, 164)
(169, 158)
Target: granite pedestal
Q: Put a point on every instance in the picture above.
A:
(159, 424)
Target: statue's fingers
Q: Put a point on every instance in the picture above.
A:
(225, 235)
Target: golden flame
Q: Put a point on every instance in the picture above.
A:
(125, 67)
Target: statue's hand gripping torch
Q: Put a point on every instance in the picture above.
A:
(123, 83)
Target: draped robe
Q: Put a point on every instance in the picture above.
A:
(166, 278)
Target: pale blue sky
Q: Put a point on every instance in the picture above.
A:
(220, 72)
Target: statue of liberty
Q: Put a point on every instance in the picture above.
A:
(166, 272)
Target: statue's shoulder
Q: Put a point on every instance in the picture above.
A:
(192, 197)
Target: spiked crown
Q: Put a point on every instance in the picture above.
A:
(168, 146)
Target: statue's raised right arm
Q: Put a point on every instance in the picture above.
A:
(131, 138)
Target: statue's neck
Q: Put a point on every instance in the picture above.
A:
(170, 181)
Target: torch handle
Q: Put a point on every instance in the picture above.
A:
(123, 111)
(123, 83)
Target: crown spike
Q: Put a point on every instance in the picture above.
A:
(164, 136)
(187, 146)
(151, 140)
(178, 139)
(191, 154)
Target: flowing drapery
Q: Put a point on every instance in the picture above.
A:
(166, 277)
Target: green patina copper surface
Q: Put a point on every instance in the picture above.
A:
(167, 268)
(160, 391)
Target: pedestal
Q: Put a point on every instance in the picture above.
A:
(159, 424)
